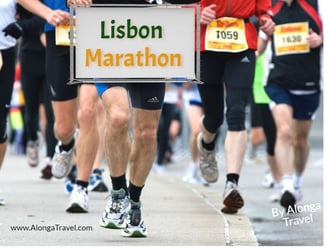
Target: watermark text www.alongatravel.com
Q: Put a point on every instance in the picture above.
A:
(297, 215)
(50, 228)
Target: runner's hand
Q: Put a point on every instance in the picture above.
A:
(69, 2)
(267, 25)
(314, 40)
(208, 14)
(57, 17)
(14, 29)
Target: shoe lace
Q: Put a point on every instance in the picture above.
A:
(208, 157)
(116, 205)
(62, 158)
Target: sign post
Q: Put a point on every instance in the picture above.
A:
(140, 43)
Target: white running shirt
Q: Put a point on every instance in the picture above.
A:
(7, 16)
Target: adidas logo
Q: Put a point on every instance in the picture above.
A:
(153, 100)
(245, 60)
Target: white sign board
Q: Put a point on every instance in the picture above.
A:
(135, 42)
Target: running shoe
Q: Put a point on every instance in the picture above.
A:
(275, 196)
(46, 171)
(201, 180)
(207, 162)
(277, 192)
(232, 200)
(252, 152)
(32, 152)
(135, 226)
(190, 178)
(2, 201)
(159, 169)
(287, 199)
(268, 181)
(192, 175)
(116, 210)
(96, 182)
(61, 162)
(298, 194)
(70, 180)
(78, 201)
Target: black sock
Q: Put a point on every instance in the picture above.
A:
(68, 146)
(233, 178)
(119, 182)
(210, 146)
(135, 192)
(83, 184)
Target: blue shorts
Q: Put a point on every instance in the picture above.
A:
(304, 105)
(147, 96)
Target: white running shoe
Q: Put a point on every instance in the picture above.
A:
(135, 226)
(207, 162)
(232, 200)
(268, 181)
(2, 201)
(96, 181)
(61, 162)
(298, 194)
(287, 198)
(159, 169)
(275, 196)
(190, 173)
(193, 176)
(116, 210)
(78, 200)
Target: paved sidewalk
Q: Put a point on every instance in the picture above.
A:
(175, 213)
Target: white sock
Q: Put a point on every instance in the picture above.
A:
(298, 180)
(277, 185)
(287, 183)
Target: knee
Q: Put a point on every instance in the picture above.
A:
(301, 143)
(146, 133)
(194, 132)
(284, 133)
(118, 120)
(236, 117)
(212, 123)
(87, 116)
(64, 131)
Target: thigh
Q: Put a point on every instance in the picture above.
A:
(116, 102)
(58, 70)
(239, 73)
(32, 84)
(88, 97)
(211, 67)
(145, 120)
(7, 76)
(212, 91)
(301, 129)
(65, 112)
(194, 113)
(147, 96)
(305, 106)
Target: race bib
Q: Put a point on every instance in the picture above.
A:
(1, 60)
(226, 34)
(291, 38)
(63, 34)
